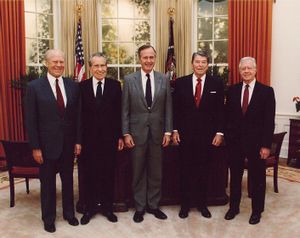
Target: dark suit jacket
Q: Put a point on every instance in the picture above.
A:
(46, 129)
(254, 129)
(100, 122)
(208, 119)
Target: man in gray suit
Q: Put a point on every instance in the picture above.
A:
(147, 127)
(52, 121)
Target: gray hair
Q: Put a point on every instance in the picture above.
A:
(97, 54)
(247, 58)
(51, 52)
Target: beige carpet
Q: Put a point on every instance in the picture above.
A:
(281, 218)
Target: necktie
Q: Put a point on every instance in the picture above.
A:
(198, 92)
(245, 99)
(148, 91)
(59, 99)
(99, 92)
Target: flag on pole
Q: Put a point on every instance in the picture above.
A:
(79, 71)
(170, 67)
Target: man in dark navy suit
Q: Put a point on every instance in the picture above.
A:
(198, 124)
(250, 113)
(52, 120)
(101, 137)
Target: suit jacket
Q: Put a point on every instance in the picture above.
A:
(206, 120)
(100, 121)
(137, 119)
(46, 129)
(254, 129)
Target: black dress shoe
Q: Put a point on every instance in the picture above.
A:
(157, 213)
(204, 212)
(85, 219)
(49, 227)
(73, 221)
(231, 213)
(110, 216)
(255, 218)
(138, 216)
(183, 213)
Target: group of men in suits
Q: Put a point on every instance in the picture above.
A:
(95, 119)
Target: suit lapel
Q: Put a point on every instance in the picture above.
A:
(137, 81)
(254, 97)
(157, 87)
(68, 92)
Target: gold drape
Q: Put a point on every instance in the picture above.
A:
(67, 35)
(182, 34)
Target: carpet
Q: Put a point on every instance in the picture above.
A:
(287, 173)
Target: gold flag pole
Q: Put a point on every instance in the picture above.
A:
(171, 12)
(79, 9)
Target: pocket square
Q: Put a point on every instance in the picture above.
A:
(213, 92)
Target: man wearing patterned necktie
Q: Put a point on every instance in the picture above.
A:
(198, 102)
(250, 113)
(52, 121)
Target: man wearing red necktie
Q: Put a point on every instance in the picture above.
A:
(52, 121)
(198, 128)
(250, 112)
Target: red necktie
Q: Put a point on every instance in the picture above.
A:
(59, 99)
(198, 92)
(245, 99)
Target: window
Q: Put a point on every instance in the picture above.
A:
(38, 32)
(212, 32)
(125, 26)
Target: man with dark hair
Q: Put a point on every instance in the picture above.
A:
(52, 120)
(250, 113)
(198, 102)
(101, 137)
(147, 126)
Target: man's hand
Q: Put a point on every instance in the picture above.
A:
(120, 144)
(129, 141)
(176, 138)
(37, 155)
(77, 149)
(264, 153)
(217, 141)
(166, 140)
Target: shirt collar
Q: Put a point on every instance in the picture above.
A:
(251, 85)
(202, 78)
(144, 74)
(95, 81)
(52, 79)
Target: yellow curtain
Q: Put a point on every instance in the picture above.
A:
(182, 34)
(67, 35)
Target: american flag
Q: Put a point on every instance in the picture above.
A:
(79, 71)
(170, 67)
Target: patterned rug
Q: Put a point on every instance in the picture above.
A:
(284, 172)
(287, 173)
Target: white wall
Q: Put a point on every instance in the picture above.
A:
(285, 66)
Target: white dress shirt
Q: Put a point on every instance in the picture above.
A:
(95, 85)
(144, 81)
(195, 81)
(52, 81)
(250, 88)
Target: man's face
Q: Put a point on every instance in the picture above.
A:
(247, 71)
(200, 65)
(55, 64)
(99, 67)
(147, 59)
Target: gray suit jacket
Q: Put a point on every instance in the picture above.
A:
(137, 119)
(46, 129)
